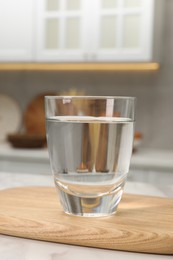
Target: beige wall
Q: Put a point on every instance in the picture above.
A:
(154, 91)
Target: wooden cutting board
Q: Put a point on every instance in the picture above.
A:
(142, 223)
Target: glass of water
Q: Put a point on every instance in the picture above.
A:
(90, 140)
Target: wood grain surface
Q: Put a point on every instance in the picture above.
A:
(142, 223)
(78, 66)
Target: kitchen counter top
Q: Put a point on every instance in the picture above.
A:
(7, 151)
(143, 158)
(153, 159)
(12, 248)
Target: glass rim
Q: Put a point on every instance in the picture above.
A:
(91, 97)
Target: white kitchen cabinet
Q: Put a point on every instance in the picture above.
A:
(99, 30)
(76, 30)
(16, 35)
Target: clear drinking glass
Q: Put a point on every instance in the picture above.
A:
(90, 143)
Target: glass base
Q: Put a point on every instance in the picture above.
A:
(91, 207)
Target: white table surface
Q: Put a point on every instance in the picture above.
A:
(12, 248)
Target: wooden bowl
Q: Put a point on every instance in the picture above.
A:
(27, 140)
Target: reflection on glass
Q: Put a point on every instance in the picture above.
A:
(73, 4)
(109, 4)
(72, 33)
(132, 3)
(52, 5)
(51, 33)
(131, 37)
(108, 32)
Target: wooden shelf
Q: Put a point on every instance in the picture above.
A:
(79, 66)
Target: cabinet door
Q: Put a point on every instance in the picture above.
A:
(94, 30)
(15, 30)
(61, 28)
(124, 30)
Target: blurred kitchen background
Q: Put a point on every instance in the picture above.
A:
(32, 32)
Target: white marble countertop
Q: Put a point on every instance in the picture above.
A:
(153, 159)
(12, 248)
(143, 158)
(7, 151)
